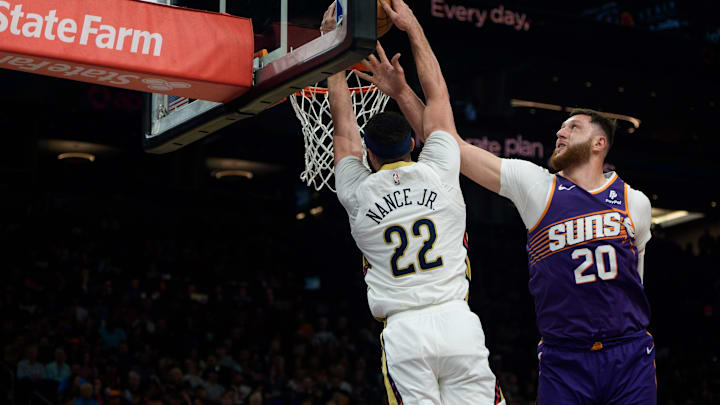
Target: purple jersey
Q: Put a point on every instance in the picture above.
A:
(583, 264)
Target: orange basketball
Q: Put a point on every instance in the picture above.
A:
(384, 23)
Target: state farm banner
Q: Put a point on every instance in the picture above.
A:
(129, 44)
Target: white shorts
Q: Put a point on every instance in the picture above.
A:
(437, 355)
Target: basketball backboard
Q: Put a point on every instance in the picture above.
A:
(290, 55)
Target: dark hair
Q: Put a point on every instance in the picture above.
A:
(388, 128)
(607, 124)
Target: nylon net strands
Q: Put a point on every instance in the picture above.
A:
(312, 108)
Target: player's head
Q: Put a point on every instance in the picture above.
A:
(584, 135)
(388, 138)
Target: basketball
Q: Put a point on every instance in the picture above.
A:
(384, 23)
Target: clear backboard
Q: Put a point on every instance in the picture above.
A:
(290, 54)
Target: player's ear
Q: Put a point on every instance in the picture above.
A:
(600, 143)
(412, 143)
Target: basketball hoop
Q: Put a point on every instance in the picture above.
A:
(312, 108)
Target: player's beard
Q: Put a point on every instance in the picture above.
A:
(573, 155)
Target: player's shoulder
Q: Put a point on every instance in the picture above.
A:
(637, 195)
(525, 164)
(441, 138)
(350, 173)
(440, 134)
(638, 200)
(521, 167)
(441, 152)
(349, 160)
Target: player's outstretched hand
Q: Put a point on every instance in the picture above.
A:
(387, 75)
(329, 21)
(400, 14)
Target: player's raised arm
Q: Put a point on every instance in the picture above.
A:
(478, 164)
(438, 113)
(346, 135)
(389, 77)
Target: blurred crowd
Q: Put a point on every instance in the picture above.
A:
(107, 301)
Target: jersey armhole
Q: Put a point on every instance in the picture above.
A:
(627, 207)
(547, 205)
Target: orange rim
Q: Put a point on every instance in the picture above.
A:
(310, 91)
(358, 66)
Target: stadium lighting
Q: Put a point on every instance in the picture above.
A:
(77, 155)
(219, 174)
(554, 107)
(534, 104)
(667, 218)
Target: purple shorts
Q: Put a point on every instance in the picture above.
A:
(616, 372)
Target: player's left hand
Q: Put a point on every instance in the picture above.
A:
(387, 75)
(329, 21)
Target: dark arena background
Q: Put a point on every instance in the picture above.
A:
(158, 280)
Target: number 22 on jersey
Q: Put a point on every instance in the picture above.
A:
(398, 235)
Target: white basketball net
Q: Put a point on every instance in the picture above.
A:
(312, 108)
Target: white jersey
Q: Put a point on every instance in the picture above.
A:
(408, 219)
(529, 187)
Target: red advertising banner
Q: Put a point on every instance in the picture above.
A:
(129, 44)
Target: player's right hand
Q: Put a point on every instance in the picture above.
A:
(400, 14)
(329, 21)
(388, 76)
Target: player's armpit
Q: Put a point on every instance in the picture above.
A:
(480, 166)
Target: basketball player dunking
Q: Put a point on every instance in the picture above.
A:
(408, 219)
(587, 232)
